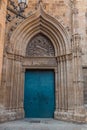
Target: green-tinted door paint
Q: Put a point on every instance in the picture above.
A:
(39, 99)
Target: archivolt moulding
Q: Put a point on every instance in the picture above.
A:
(40, 22)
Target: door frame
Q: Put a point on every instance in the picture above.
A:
(55, 78)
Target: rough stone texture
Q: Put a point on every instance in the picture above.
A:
(40, 46)
(3, 4)
(64, 22)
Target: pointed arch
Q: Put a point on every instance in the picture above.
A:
(40, 22)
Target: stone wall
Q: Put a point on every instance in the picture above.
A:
(3, 4)
(64, 10)
(64, 22)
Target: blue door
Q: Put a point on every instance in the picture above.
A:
(39, 98)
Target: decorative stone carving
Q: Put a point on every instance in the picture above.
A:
(76, 41)
(40, 3)
(40, 45)
(51, 61)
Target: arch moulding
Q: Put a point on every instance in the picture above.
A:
(40, 22)
(16, 63)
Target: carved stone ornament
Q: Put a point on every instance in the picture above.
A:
(40, 45)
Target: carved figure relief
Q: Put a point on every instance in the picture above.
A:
(40, 45)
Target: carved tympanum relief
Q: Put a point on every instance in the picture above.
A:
(40, 45)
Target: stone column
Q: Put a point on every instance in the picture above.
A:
(69, 88)
(56, 93)
(77, 78)
(77, 65)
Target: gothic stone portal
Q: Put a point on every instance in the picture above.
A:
(42, 42)
(40, 54)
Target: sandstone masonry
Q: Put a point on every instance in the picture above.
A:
(64, 22)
